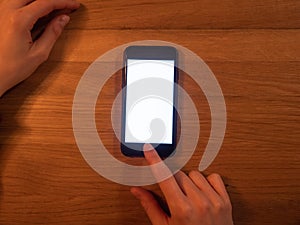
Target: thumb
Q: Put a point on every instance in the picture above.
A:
(155, 213)
(45, 43)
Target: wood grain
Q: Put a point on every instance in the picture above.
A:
(45, 180)
(188, 14)
(210, 45)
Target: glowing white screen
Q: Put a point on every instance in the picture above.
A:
(143, 114)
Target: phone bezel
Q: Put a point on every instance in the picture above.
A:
(149, 53)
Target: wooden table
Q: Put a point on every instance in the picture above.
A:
(253, 49)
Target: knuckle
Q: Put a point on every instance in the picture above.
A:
(222, 207)
(145, 206)
(41, 56)
(19, 19)
(219, 206)
(205, 207)
(15, 18)
(185, 211)
(56, 30)
(44, 56)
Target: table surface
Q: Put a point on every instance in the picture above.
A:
(253, 49)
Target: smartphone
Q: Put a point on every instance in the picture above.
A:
(149, 100)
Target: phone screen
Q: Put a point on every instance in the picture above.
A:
(149, 118)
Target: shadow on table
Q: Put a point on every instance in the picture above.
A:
(242, 212)
(11, 105)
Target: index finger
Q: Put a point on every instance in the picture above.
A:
(40, 8)
(169, 186)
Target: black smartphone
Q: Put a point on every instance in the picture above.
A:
(149, 100)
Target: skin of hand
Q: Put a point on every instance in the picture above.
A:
(192, 199)
(20, 56)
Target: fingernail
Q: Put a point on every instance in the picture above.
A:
(148, 147)
(64, 20)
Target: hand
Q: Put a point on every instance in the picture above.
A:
(192, 199)
(19, 54)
